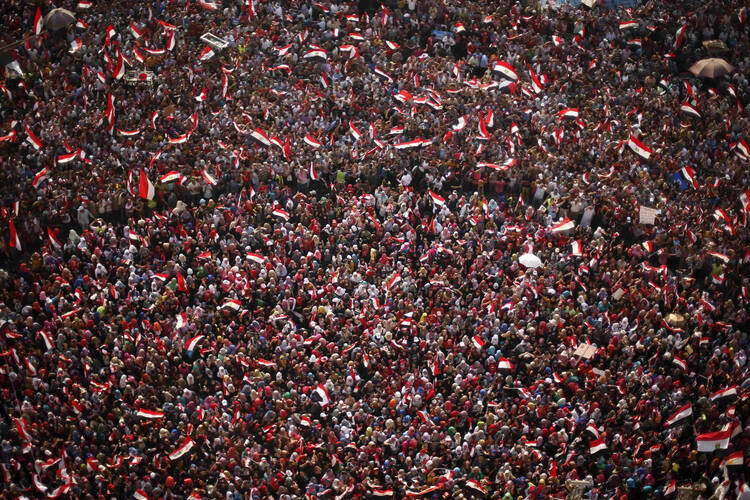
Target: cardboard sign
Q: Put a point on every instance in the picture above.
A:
(648, 215)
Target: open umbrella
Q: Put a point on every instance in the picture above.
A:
(530, 260)
(58, 19)
(713, 67)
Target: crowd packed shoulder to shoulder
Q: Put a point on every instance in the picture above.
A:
(451, 249)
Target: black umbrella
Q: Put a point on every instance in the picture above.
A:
(58, 19)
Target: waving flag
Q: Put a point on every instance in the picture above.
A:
(261, 136)
(504, 364)
(15, 241)
(32, 138)
(143, 413)
(628, 25)
(170, 177)
(506, 69)
(310, 141)
(206, 54)
(568, 113)
(56, 243)
(576, 248)
(315, 53)
(638, 147)
(679, 416)
(437, 199)
(282, 214)
(232, 304)
(726, 393)
(119, 70)
(689, 175)
(393, 281)
(564, 225)
(596, 446)
(38, 21)
(185, 447)
(690, 109)
(40, 177)
(193, 342)
(145, 187)
(323, 394)
(478, 343)
(208, 177)
(181, 321)
(712, 441)
(354, 131)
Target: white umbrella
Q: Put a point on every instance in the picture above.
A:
(530, 260)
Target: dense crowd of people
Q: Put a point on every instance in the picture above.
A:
(453, 249)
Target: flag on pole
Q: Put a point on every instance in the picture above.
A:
(185, 447)
(145, 187)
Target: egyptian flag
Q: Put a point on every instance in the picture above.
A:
(680, 362)
(257, 258)
(506, 69)
(564, 225)
(181, 321)
(38, 22)
(729, 392)
(671, 488)
(149, 413)
(477, 342)
(232, 304)
(283, 214)
(679, 416)
(689, 174)
(119, 70)
(568, 113)
(353, 130)
(185, 447)
(206, 54)
(145, 187)
(476, 485)
(690, 109)
(313, 172)
(323, 394)
(393, 281)
(712, 441)
(680, 36)
(15, 242)
(504, 364)
(310, 141)
(208, 177)
(409, 144)
(32, 138)
(576, 248)
(265, 363)
(181, 285)
(53, 239)
(735, 459)
(193, 342)
(597, 446)
(40, 176)
(261, 136)
(437, 199)
(742, 148)
(140, 495)
(171, 176)
(638, 147)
